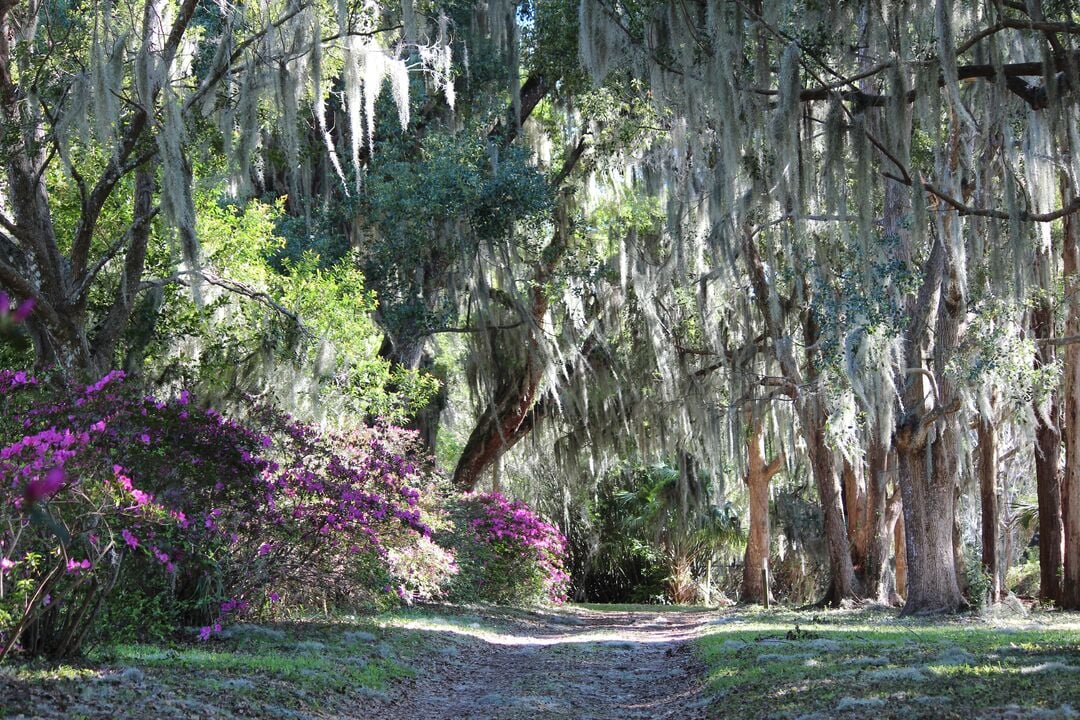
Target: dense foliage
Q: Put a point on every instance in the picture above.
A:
(157, 514)
(108, 487)
(506, 552)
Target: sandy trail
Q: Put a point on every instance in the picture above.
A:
(571, 663)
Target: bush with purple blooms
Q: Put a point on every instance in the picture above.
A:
(114, 502)
(506, 552)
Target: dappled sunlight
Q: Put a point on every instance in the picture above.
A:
(647, 631)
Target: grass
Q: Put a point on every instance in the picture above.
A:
(310, 669)
(780, 664)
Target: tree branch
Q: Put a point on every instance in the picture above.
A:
(965, 209)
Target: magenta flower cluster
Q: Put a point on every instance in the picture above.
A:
(519, 536)
(18, 313)
(259, 510)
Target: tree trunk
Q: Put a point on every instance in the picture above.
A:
(991, 516)
(855, 511)
(758, 475)
(875, 531)
(900, 555)
(508, 416)
(1047, 460)
(1070, 488)
(843, 584)
(894, 518)
(926, 440)
(928, 495)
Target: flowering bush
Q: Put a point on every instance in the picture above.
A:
(506, 552)
(105, 492)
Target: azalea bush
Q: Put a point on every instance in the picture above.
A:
(111, 499)
(506, 552)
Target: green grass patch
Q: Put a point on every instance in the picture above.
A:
(781, 664)
(265, 670)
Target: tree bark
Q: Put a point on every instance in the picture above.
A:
(843, 584)
(1047, 457)
(758, 476)
(928, 495)
(1070, 488)
(987, 448)
(900, 554)
(855, 511)
(926, 439)
(874, 558)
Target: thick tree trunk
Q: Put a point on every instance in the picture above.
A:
(509, 416)
(843, 584)
(855, 511)
(1047, 460)
(1070, 488)
(928, 496)
(926, 441)
(758, 476)
(503, 423)
(987, 467)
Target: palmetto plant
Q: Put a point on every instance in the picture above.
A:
(671, 509)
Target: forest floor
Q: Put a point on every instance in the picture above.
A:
(580, 662)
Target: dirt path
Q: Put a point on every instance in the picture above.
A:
(571, 663)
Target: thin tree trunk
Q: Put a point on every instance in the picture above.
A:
(843, 584)
(876, 530)
(991, 516)
(900, 553)
(1047, 460)
(758, 475)
(1070, 488)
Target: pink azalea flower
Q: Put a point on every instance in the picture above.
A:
(44, 486)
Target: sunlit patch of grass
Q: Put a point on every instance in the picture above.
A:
(38, 673)
(777, 663)
(311, 670)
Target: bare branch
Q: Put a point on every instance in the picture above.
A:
(965, 209)
(138, 225)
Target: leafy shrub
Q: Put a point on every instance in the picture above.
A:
(506, 553)
(609, 561)
(1023, 578)
(105, 492)
(976, 579)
